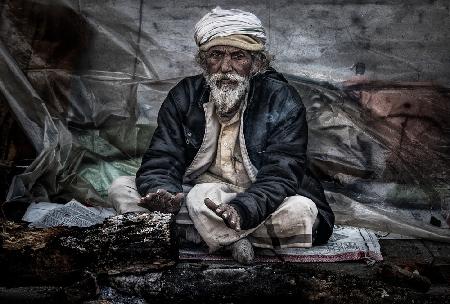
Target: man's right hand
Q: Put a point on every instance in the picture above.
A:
(162, 201)
(227, 212)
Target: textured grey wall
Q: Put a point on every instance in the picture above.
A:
(323, 39)
(397, 40)
(109, 53)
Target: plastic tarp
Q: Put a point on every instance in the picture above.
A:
(85, 80)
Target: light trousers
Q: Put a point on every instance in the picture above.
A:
(290, 225)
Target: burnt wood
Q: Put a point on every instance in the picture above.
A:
(134, 242)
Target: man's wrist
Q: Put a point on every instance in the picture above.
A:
(240, 212)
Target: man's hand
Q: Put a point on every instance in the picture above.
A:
(227, 212)
(162, 201)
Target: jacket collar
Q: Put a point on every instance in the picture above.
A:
(204, 93)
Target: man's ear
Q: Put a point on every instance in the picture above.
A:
(257, 66)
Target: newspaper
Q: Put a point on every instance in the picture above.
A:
(72, 214)
(346, 243)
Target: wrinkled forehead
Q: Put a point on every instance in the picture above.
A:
(226, 49)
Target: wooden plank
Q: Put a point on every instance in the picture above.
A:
(440, 252)
(406, 253)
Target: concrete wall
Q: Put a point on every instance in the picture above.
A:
(396, 40)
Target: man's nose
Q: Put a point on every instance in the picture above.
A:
(225, 66)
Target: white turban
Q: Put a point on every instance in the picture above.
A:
(230, 27)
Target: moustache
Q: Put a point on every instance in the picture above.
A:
(227, 78)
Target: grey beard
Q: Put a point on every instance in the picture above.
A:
(227, 99)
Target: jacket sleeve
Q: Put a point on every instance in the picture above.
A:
(163, 163)
(283, 163)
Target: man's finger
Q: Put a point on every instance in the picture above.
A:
(148, 201)
(148, 198)
(210, 204)
(232, 221)
(225, 214)
(174, 204)
(221, 209)
(178, 198)
(237, 227)
(164, 196)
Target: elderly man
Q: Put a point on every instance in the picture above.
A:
(235, 139)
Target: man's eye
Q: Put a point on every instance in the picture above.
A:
(238, 56)
(215, 55)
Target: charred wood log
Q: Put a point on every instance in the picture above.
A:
(396, 275)
(83, 290)
(134, 242)
(286, 282)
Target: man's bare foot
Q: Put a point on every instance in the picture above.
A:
(242, 251)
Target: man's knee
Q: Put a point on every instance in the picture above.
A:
(195, 198)
(299, 211)
(123, 181)
(120, 186)
(123, 195)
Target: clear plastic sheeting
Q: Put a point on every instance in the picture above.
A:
(85, 81)
(382, 151)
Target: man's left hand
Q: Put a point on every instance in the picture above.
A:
(227, 212)
(162, 201)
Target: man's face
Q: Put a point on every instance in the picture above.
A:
(228, 59)
(227, 73)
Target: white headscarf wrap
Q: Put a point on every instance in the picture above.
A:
(221, 23)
